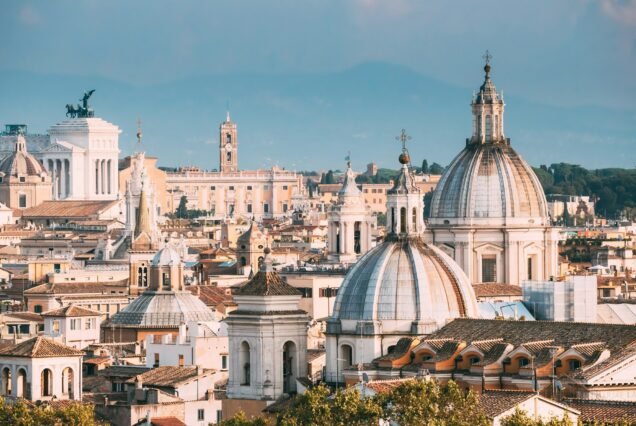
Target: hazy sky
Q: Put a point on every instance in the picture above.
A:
(560, 53)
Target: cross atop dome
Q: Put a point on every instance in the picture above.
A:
(404, 158)
(487, 58)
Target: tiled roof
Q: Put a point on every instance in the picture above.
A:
(211, 295)
(385, 386)
(68, 209)
(39, 347)
(564, 334)
(122, 371)
(161, 421)
(493, 354)
(24, 316)
(169, 376)
(616, 358)
(446, 351)
(486, 345)
(77, 287)
(604, 411)
(494, 289)
(494, 403)
(71, 311)
(401, 348)
(266, 284)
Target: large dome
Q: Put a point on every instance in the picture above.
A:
(162, 310)
(406, 285)
(489, 184)
(20, 162)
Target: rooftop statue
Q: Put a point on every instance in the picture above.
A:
(81, 111)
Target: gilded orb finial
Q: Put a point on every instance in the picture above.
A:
(404, 157)
(487, 57)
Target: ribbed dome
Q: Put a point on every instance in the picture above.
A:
(162, 310)
(21, 162)
(405, 280)
(489, 181)
(167, 256)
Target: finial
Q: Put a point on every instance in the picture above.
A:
(348, 159)
(227, 112)
(487, 57)
(404, 156)
(139, 134)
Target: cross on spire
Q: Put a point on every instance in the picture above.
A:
(487, 57)
(403, 138)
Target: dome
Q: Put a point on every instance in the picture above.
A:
(405, 282)
(488, 183)
(162, 310)
(20, 162)
(167, 256)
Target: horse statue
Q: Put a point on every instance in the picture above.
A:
(72, 111)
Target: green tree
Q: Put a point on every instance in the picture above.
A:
(425, 166)
(327, 178)
(240, 419)
(521, 418)
(23, 413)
(436, 169)
(182, 209)
(425, 402)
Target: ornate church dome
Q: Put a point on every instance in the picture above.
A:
(403, 285)
(488, 182)
(20, 162)
(405, 280)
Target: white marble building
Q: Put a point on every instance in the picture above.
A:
(489, 211)
(82, 159)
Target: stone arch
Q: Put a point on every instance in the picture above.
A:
(244, 363)
(21, 384)
(7, 384)
(46, 382)
(290, 370)
(68, 379)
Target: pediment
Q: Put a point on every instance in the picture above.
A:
(488, 247)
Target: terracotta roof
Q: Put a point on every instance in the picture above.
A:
(68, 209)
(40, 347)
(77, 287)
(604, 411)
(97, 360)
(122, 371)
(24, 316)
(615, 358)
(266, 284)
(493, 354)
(494, 289)
(494, 403)
(385, 386)
(72, 311)
(169, 376)
(161, 421)
(211, 295)
(401, 348)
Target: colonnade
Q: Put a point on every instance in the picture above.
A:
(60, 171)
(103, 177)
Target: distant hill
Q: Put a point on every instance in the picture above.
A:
(310, 121)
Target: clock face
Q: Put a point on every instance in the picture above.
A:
(228, 147)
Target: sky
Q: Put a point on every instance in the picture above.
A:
(578, 55)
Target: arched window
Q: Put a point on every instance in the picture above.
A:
(142, 276)
(228, 138)
(228, 156)
(22, 383)
(243, 261)
(393, 219)
(289, 370)
(403, 220)
(6, 381)
(523, 361)
(574, 364)
(488, 127)
(346, 356)
(37, 309)
(496, 132)
(244, 364)
(46, 382)
(356, 238)
(479, 125)
(67, 382)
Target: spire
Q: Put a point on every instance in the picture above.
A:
(488, 110)
(349, 189)
(227, 116)
(405, 183)
(143, 212)
(20, 143)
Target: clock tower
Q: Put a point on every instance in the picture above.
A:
(228, 146)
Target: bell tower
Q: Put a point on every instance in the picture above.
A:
(228, 146)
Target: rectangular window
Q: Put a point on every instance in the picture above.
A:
(285, 207)
(181, 360)
(89, 324)
(249, 187)
(22, 201)
(22, 179)
(529, 268)
(328, 292)
(223, 362)
(56, 326)
(75, 324)
(249, 207)
(231, 188)
(156, 364)
(488, 269)
(285, 187)
(24, 328)
(305, 291)
(201, 414)
(219, 416)
(265, 208)
(213, 188)
(57, 268)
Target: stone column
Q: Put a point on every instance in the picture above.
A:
(62, 179)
